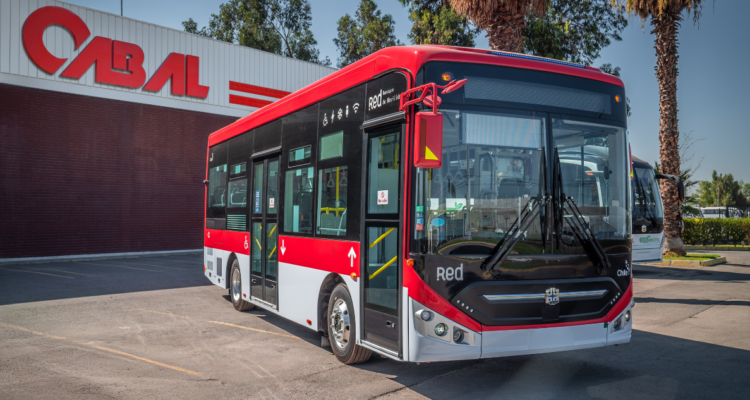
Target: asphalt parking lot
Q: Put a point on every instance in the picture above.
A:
(152, 327)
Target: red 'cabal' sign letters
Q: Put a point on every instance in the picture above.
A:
(109, 56)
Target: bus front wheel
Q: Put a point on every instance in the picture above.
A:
(235, 289)
(342, 328)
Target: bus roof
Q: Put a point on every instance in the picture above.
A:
(408, 58)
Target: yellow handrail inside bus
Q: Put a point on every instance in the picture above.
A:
(381, 237)
(374, 274)
(274, 228)
(329, 209)
(258, 243)
(274, 249)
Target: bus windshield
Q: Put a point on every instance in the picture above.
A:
(647, 206)
(494, 163)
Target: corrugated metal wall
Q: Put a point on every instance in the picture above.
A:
(220, 62)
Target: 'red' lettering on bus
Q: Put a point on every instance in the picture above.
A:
(117, 63)
(449, 274)
(377, 100)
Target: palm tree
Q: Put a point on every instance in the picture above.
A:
(666, 16)
(504, 20)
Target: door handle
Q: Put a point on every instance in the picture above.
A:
(390, 324)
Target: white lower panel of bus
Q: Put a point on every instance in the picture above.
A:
(648, 247)
(425, 345)
(218, 268)
(299, 288)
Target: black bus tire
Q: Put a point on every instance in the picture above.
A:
(235, 289)
(344, 346)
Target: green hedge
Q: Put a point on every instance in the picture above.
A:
(705, 231)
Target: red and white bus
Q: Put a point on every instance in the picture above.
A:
(501, 227)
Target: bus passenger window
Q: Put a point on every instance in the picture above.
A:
(237, 198)
(298, 198)
(217, 187)
(332, 204)
(332, 146)
(300, 156)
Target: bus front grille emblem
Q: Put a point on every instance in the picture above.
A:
(552, 296)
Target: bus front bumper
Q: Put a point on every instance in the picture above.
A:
(425, 345)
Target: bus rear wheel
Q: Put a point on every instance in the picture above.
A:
(235, 289)
(342, 328)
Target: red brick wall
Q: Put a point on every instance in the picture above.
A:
(85, 175)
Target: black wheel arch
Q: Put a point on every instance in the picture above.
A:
(324, 296)
(228, 270)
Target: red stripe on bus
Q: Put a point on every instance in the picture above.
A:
(231, 241)
(243, 87)
(338, 256)
(247, 101)
(427, 296)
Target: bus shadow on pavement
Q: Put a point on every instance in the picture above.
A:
(652, 366)
(285, 325)
(24, 283)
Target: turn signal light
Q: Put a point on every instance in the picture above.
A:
(204, 268)
(617, 98)
(309, 322)
(353, 275)
(410, 262)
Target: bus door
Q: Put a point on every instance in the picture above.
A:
(381, 264)
(264, 207)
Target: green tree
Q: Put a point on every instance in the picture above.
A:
(364, 34)
(574, 30)
(435, 22)
(721, 190)
(277, 26)
(665, 16)
(746, 190)
(503, 20)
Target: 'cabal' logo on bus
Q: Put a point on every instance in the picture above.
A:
(109, 56)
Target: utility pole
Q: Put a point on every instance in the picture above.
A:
(121, 8)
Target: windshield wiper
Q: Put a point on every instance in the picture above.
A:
(520, 225)
(584, 235)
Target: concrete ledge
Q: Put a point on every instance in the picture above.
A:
(690, 263)
(717, 248)
(88, 257)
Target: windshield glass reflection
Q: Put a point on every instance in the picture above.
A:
(491, 169)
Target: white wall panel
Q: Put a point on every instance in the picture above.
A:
(219, 63)
(5, 36)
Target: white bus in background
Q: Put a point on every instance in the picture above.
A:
(648, 212)
(721, 212)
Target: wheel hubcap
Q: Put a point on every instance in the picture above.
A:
(340, 327)
(236, 285)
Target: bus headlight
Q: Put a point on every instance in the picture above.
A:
(458, 335)
(617, 325)
(425, 315)
(627, 316)
(441, 329)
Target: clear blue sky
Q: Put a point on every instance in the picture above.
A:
(713, 86)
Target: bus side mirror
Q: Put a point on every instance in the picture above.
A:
(428, 139)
